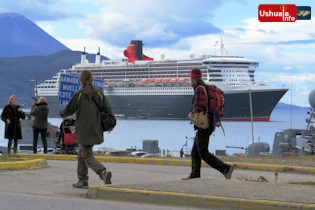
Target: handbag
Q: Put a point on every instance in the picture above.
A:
(106, 121)
(200, 119)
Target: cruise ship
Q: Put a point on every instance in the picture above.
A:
(139, 87)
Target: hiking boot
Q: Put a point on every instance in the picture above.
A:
(228, 173)
(81, 184)
(106, 176)
(189, 178)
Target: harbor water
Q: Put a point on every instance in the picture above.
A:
(171, 134)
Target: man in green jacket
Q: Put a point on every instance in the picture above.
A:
(89, 130)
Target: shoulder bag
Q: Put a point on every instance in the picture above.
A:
(200, 119)
(106, 121)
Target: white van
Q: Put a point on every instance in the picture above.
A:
(24, 148)
(28, 149)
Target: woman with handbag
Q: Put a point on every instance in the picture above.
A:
(201, 142)
(89, 130)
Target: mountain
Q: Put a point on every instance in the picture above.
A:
(281, 105)
(22, 37)
(17, 71)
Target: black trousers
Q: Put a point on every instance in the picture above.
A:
(200, 152)
(15, 145)
(43, 133)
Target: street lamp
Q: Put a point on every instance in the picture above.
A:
(35, 80)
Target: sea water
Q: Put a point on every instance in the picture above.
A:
(171, 134)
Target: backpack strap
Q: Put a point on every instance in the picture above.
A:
(204, 89)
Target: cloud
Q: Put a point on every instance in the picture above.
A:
(40, 10)
(287, 68)
(48, 28)
(157, 23)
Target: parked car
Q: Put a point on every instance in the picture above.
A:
(149, 155)
(24, 148)
(49, 150)
(28, 149)
(138, 153)
(119, 153)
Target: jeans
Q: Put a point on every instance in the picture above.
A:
(200, 151)
(85, 161)
(43, 133)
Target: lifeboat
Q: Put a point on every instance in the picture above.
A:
(174, 80)
(145, 80)
(166, 80)
(158, 80)
(183, 79)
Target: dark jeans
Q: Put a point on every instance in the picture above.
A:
(43, 133)
(15, 145)
(85, 161)
(200, 151)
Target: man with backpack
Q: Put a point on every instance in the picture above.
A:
(201, 142)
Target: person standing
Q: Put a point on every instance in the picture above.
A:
(89, 130)
(11, 115)
(181, 152)
(40, 124)
(201, 142)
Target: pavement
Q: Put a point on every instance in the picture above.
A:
(158, 181)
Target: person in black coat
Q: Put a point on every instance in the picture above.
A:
(11, 115)
(40, 123)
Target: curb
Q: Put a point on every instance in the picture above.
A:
(175, 162)
(181, 199)
(22, 165)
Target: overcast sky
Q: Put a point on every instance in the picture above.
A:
(176, 28)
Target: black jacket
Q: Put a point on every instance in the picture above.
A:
(12, 130)
(41, 113)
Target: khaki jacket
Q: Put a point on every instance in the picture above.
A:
(89, 130)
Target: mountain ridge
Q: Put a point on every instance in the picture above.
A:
(22, 37)
(281, 105)
(17, 71)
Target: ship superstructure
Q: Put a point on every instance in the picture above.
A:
(139, 87)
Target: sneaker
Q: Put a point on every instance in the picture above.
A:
(81, 184)
(228, 174)
(106, 176)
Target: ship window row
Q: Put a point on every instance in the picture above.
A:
(238, 71)
(215, 75)
(175, 64)
(147, 70)
(219, 80)
(146, 76)
(41, 86)
(230, 63)
(214, 70)
(124, 93)
(230, 67)
(153, 89)
(142, 73)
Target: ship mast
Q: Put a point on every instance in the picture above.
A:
(220, 47)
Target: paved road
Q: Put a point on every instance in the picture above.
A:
(48, 186)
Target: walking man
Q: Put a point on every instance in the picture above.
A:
(201, 142)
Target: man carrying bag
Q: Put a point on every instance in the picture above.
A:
(201, 142)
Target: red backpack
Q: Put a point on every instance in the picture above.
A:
(216, 99)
